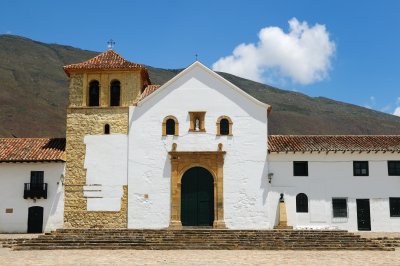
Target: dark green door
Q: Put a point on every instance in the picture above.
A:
(35, 219)
(197, 199)
(363, 215)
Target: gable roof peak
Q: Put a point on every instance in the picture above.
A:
(214, 74)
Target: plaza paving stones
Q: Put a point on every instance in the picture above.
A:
(197, 257)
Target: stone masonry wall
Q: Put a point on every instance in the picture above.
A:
(81, 122)
(75, 90)
(79, 84)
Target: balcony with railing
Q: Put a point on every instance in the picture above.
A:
(33, 190)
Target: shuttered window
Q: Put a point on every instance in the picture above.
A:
(301, 202)
(394, 207)
(339, 207)
(37, 177)
(300, 168)
(360, 168)
(394, 167)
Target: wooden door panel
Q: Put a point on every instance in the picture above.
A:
(197, 206)
(35, 219)
(363, 215)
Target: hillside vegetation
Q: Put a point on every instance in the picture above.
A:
(34, 94)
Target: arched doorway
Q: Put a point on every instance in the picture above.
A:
(197, 199)
(35, 219)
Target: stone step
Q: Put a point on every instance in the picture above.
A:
(202, 245)
(215, 243)
(200, 239)
(208, 237)
(388, 242)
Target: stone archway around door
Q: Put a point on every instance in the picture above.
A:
(182, 161)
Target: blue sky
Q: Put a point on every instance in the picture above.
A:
(351, 54)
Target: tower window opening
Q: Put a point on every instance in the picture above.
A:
(115, 93)
(94, 93)
(107, 129)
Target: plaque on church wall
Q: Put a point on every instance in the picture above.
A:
(9, 210)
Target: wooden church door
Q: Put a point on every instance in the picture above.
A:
(197, 199)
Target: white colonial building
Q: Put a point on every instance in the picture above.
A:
(31, 191)
(196, 152)
(344, 182)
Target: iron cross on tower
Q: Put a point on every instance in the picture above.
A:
(111, 44)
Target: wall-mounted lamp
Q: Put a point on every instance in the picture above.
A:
(61, 179)
(270, 175)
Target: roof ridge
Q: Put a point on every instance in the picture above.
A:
(33, 138)
(107, 60)
(32, 149)
(298, 143)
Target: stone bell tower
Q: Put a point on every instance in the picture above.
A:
(100, 91)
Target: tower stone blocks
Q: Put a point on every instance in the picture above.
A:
(84, 120)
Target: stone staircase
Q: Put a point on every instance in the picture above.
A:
(199, 239)
(388, 241)
(10, 242)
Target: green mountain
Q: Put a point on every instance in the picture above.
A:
(34, 95)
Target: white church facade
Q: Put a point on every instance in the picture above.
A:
(196, 152)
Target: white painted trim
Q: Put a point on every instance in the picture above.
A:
(214, 74)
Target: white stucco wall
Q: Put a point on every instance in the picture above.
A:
(12, 177)
(331, 176)
(245, 168)
(106, 171)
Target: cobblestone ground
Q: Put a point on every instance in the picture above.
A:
(204, 257)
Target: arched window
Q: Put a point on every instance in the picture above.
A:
(94, 93)
(107, 129)
(224, 126)
(170, 130)
(115, 93)
(170, 126)
(301, 202)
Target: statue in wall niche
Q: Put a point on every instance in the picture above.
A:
(197, 124)
(281, 199)
(220, 147)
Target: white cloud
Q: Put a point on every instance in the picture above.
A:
(397, 111)
(386, 108)
(303, 55)
(371, 103)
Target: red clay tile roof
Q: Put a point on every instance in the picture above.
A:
(108, 60)
(32, 149)
(148, 90)
(290, 143)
